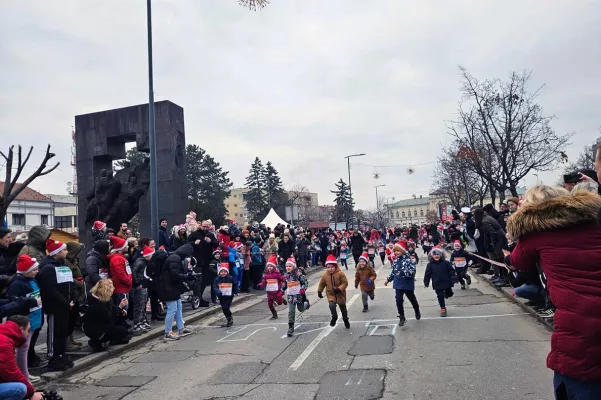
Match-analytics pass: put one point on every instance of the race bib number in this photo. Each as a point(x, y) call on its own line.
point(371, 252)
point(225, 289)
point(104, 273)
point(460, 262)
point(127, 268)
point(63, 275)
point(293, 288)
point(343, 256)
point(35, 295)
point(381, 249)
point(272, 285)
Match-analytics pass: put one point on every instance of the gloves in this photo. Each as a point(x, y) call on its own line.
point(336, 290)
point(320, 295)
point(369, 282)
point(302, 292)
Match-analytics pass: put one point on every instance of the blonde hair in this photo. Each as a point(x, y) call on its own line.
point(103, 289)
point(543, 192)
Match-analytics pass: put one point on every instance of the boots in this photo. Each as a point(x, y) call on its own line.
point(72, 344)
point(274, 314)
point(334, 319)
point(365, 308)
point(418, 314)
point(290, 329)
point(347, 324)
point(230, 322)
point(402, 320)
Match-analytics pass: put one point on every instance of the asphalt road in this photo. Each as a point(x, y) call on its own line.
point(487, 348)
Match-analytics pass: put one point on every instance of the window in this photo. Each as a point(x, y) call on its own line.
point(43, 219)
point(397, 214)
point(63, 222)
point(421, 212)
point(235, 214)
point(75, 222)
point(235, 205)
point(403, 214)
point(415, 213)
point(19, 219)
point(244, 196)
point(235, 196)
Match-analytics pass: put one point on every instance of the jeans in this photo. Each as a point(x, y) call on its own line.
point(174, 310)
point(21, 355)
point(292, 311)
point(364, 296)
point(530, 292)
point(343, 310)
point(399, 300)
point(12, 391)
point(139, 297)
point(567, 388)
point(343, 262)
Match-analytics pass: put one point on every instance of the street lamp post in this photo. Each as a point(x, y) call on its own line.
point(154, 200)
point(378, 203)
point(348, 161)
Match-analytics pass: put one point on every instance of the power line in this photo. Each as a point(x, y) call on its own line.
point(395, 166)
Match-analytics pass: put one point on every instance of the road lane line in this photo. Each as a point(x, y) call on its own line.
point(323, 334)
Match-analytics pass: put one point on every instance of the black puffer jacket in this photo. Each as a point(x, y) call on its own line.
point(95, 261)
point(8, 258)
point(98, 317)
point(55, 296)
point(172, 274)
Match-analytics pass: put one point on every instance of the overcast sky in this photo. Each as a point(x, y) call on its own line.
point(301, 83)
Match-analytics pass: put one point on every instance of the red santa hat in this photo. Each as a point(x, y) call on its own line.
point(272, 260)
point(457, 243)
point(118, 244)
point(216, 251)
point(26, 264)
point(364, 257)
point(400, 245)
point(54, 247)
point(99, 225)
point(291, 261)
point(223, 267)
point(331, 260)
point(147, 251)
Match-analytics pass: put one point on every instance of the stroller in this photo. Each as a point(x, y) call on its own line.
point(189, 289)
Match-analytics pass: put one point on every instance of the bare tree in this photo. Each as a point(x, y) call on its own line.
point(11, 186)
point(253, 5)
point(503, 131)
point(432, 217)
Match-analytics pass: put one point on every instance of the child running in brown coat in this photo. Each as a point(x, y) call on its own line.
point(366, 276)
point(335, 283)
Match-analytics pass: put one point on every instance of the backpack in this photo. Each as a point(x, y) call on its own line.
point(153, 270)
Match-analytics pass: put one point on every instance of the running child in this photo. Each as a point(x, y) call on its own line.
point(335, 283)
point(295, 285)
point(403, 278)
point(366, 277)
point(442, 275)
point(459, 259)
point(343, 255)
point(225, 287)
point(382, 252)
point(371, 252)
point(272, 283)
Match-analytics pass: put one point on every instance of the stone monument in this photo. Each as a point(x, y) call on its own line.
point(116, 197)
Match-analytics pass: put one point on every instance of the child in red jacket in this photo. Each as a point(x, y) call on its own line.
point(272, 283)
point(120, 270)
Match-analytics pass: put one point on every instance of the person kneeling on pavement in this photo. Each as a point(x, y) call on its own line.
point(104, 322)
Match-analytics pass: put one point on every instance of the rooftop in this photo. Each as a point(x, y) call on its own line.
point(27, 193)
point(420, 201)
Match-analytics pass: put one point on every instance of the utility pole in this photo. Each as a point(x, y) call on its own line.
point(154, 198)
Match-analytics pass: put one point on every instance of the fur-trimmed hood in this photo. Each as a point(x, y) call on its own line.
point(578, 208)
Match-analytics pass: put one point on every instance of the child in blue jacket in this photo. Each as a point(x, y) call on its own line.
point(403, 275)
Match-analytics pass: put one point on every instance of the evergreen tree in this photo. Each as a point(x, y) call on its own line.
point(133, 156)
point(343, 204)
point(274, 191)
point(208, 185)
point(256, 204)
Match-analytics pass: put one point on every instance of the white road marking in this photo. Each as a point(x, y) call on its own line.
point(247, 337)
point(307, 352)
point(232, 332)
point(360, 379)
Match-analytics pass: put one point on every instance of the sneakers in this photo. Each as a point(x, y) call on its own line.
point(171, 336)
point(463, 287)
point(59, 364)
point(137, 331)
point(34, 379)
point(372, 295)
point(468, 279)
point(443, 312)
point(333, 320)
point(290, 330)
point(365, 308)
point(546, 313)
point(274, 314)
point(37, 362)
point(145, 326)
point(307, 305)
point(402, 321)
point(230, 322)
point(185, 332)
point(347, 324)
point(418, 315)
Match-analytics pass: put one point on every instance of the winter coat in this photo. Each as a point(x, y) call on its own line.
point(36, 242)
point(20, 306)
point(362, 275)
point(98, 316)
point(19, 287)
point(164, 238)
point(224, 242)
point(357, 244)
point(441, 273)
point(172, 274)
point(302, 247)
point(96, 266)
point(270, 248)
point(203, 252)
point(138, 272)
point(330, 281)
point(178, 241)
point(562, 236)
point(8, 258)
point(120, 272)
point(72, 261)
point(403, 273)
point(295, 276)
point(256, 256)
point(226, 280)
point(459, 256)
point(285, 249)
point(277, 276)
point(494, 236)
point(11, 338)
point(55, 296)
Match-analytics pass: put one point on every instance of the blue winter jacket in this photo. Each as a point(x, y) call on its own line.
point(20, 287)
point(403, 273)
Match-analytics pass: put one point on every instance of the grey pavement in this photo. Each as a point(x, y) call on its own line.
point(487, 348)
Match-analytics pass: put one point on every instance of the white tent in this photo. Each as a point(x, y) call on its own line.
point(272, 219)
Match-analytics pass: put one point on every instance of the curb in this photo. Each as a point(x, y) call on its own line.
point(548, 324)
point(93, 359)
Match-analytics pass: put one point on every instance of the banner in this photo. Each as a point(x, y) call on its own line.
point(498, 263)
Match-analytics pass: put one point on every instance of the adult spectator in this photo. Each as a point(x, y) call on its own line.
point(103, 321)
point(179, 238)
point(9, 251)
point(123, 231)
point(492, 211)
point(285, 249)
point(357, 243)
point(13, 384)
point(204, 243)
point(35, 246)
point(163, 236)
point(494, 242)
point(571, 180)
point(558, 231)
point(96, 266)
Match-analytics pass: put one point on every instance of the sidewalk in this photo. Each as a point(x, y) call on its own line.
point(84, 357)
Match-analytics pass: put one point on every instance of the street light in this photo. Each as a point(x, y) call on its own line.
point(348, 160)
point(154, 200)
point(536, 178)
point(378, 202)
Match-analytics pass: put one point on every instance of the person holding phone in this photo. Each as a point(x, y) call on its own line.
point(583, 175)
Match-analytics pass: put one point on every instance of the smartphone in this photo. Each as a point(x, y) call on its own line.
point(571, 178)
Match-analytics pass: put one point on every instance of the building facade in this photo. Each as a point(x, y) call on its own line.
point(410, 211)
point(65, 212)
point(30, 208)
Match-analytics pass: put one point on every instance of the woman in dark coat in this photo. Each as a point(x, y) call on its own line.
point(558, 231)
point(494, 240)
point(103, 321)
